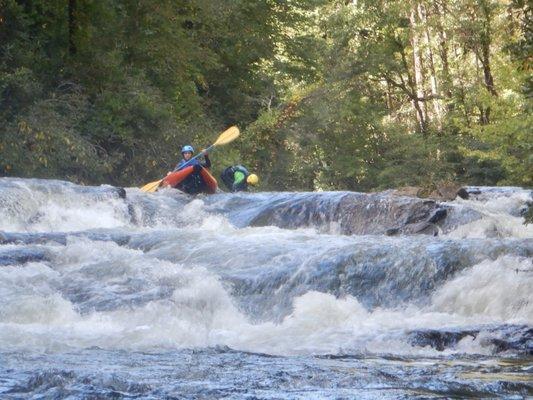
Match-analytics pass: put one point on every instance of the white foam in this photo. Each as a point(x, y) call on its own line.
point(123, 285)
point(498, 217)
point(44, 212)
point(200, 312)
point(500, 290)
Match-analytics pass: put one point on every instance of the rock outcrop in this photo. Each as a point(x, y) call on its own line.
point(353, 213)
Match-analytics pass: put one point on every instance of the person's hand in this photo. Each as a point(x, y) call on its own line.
point(205, 152)
point(168, 173)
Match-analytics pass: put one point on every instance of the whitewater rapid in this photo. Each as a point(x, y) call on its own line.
point(90, 268)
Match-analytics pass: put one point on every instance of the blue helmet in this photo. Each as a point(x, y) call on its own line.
point(187, 148)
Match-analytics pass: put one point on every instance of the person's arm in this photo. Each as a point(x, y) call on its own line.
point(207, 163)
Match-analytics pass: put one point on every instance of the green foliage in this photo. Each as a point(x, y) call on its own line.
point(127, 83)
point(329, 94)
point(45, 141)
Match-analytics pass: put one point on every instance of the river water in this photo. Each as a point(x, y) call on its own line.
point(333, 295)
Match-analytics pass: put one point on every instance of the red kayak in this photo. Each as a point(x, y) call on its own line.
point(175, 178)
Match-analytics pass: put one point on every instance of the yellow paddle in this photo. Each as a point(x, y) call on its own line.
point(229, 135)
point(152, 186)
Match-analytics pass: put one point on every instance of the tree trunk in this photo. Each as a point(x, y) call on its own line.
point(71, 26)
point(487, 74)
point(416, 80)
point(422, 14)
point(486, 41)
point(462, 91)
point(443, 49)
point(389, 96)
point(411, 92)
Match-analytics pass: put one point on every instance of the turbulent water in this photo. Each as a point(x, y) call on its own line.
point(106, 293)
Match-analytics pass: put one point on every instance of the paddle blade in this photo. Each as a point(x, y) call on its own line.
point(229, 135)
point(152, 186)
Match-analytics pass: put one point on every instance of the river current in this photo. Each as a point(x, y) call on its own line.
point(113, 293)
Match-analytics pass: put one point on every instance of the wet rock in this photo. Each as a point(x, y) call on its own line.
point(350, 213)
point(473, 191)
point(32, 238)
point(61, 237)
point(438, 215)
point(517, 340)
point(439, 339)
point(503, 338)
point(425, 228)
point(444, 192)
point(526, 211)
point(22, 256)
point(45, 380)
point(133, 215)
point(121, 192)
point(463, 193)
point(448, 191)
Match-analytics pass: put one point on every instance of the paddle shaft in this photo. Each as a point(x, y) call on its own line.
point(197, 155)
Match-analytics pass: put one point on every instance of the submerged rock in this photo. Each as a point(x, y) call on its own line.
point(62, 237)
point(22, 256)
point(503, 338)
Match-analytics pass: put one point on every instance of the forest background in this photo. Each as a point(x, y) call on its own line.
point(330, 95)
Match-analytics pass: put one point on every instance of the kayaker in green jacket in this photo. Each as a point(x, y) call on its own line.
point(237, 178)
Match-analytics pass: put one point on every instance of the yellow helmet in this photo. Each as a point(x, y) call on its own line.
point(252, 179)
